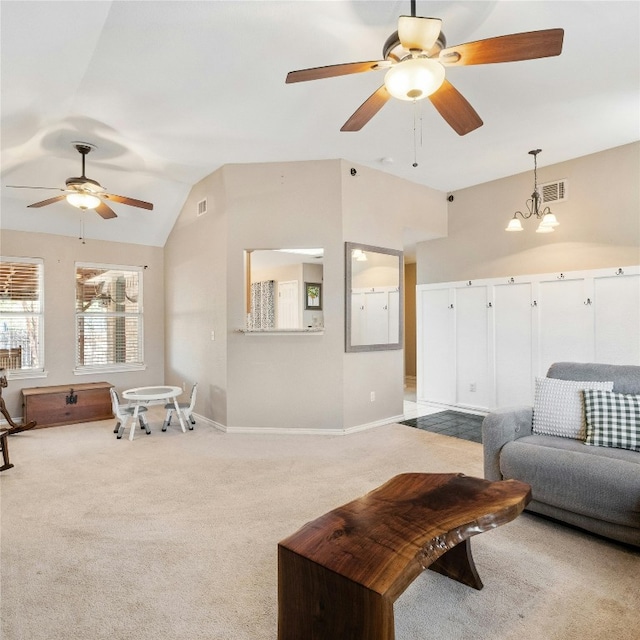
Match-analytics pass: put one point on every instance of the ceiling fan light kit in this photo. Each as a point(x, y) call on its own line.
point(83, 200)
point(548, 221)
point(414, 79)
point(415, 58)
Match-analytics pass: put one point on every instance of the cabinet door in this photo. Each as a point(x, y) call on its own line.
point(566, 323)
point(394, 317)
point(513, 335)
point(474, 383)
point(616, 301)
point(377, 317)
point(436, 355)
point(358, 319)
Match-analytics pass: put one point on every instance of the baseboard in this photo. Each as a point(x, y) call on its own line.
point(461, 408)
point(209, 423)
point(309, 432)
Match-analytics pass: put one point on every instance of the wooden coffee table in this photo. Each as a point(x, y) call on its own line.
point(339, 575)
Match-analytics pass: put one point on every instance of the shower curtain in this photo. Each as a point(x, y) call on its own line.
point(263, 313)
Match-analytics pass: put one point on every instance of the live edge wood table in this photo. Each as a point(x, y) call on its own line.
point(339, 575)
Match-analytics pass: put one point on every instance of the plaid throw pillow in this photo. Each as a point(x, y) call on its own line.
point(613, 419)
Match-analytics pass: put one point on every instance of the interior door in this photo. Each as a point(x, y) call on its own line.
point(288, 316)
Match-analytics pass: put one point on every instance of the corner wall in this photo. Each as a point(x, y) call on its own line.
point(292, 382)
point(379, 210)
point(196, 299)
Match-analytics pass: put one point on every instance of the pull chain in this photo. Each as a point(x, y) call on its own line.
point(415, 133)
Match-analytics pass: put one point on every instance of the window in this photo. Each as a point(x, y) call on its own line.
point(21, 315)
point(108, 317)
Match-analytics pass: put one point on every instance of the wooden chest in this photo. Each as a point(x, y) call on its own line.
point(67, 404)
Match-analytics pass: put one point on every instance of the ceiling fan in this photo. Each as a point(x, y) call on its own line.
point(85, 193)
point(415, 57)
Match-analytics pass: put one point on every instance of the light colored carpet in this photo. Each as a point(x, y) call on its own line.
point(174, 537)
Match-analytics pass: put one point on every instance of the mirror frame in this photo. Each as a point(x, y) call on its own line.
point(349, 247)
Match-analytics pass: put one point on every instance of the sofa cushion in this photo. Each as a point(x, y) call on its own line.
point(613, 419)
point(598, 482)
point(558, 407)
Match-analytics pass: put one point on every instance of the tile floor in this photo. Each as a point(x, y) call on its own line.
point(450, 423)
point(422, 415)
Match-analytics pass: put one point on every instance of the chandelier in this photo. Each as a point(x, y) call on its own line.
point(547, 220)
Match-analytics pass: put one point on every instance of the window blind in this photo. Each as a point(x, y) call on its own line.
point(108, 316)
point(21, 313)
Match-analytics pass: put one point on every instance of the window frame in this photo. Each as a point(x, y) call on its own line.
point(39, 371)
point(83, 369)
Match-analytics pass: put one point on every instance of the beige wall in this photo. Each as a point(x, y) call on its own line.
point(599, 223)
point(284, 382)
point(378, 209)
point(196, 299)
point(60, 253)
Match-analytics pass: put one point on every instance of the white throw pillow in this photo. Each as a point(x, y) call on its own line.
point(558, 407)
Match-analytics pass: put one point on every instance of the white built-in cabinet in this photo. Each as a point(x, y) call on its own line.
point(375, 315)
point(482, 343)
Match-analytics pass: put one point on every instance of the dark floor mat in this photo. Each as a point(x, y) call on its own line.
point(450, 423)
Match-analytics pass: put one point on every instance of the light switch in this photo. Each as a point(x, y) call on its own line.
point(213, 335)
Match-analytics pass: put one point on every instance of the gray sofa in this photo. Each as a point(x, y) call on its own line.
point(592, 487)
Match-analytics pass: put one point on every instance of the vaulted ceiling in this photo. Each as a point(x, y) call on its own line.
point(170, 91)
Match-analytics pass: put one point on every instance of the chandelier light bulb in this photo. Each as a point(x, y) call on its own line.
point(514, 225)
point(549, 220)
point(414, 79)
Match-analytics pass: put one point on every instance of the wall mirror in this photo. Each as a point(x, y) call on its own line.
point(374, 298)
point(283, 289)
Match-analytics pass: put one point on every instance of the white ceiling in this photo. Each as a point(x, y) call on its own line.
point(170, 91)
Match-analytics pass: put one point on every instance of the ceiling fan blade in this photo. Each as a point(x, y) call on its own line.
point(44, 203)
point(132, 202)
point(510, 48)
point(105, 211)
point(20, 186)
point(367, 110)
point(455, 109)
point(331, 71)
point(415, 32)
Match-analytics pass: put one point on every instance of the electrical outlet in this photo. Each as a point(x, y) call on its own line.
point(472, 387)
point(213, 335)
point(373, 396)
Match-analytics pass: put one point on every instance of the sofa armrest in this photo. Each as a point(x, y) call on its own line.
point(498, 428)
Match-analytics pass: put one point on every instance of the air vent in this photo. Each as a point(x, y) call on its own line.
point(554, 191)
point(202, 207)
